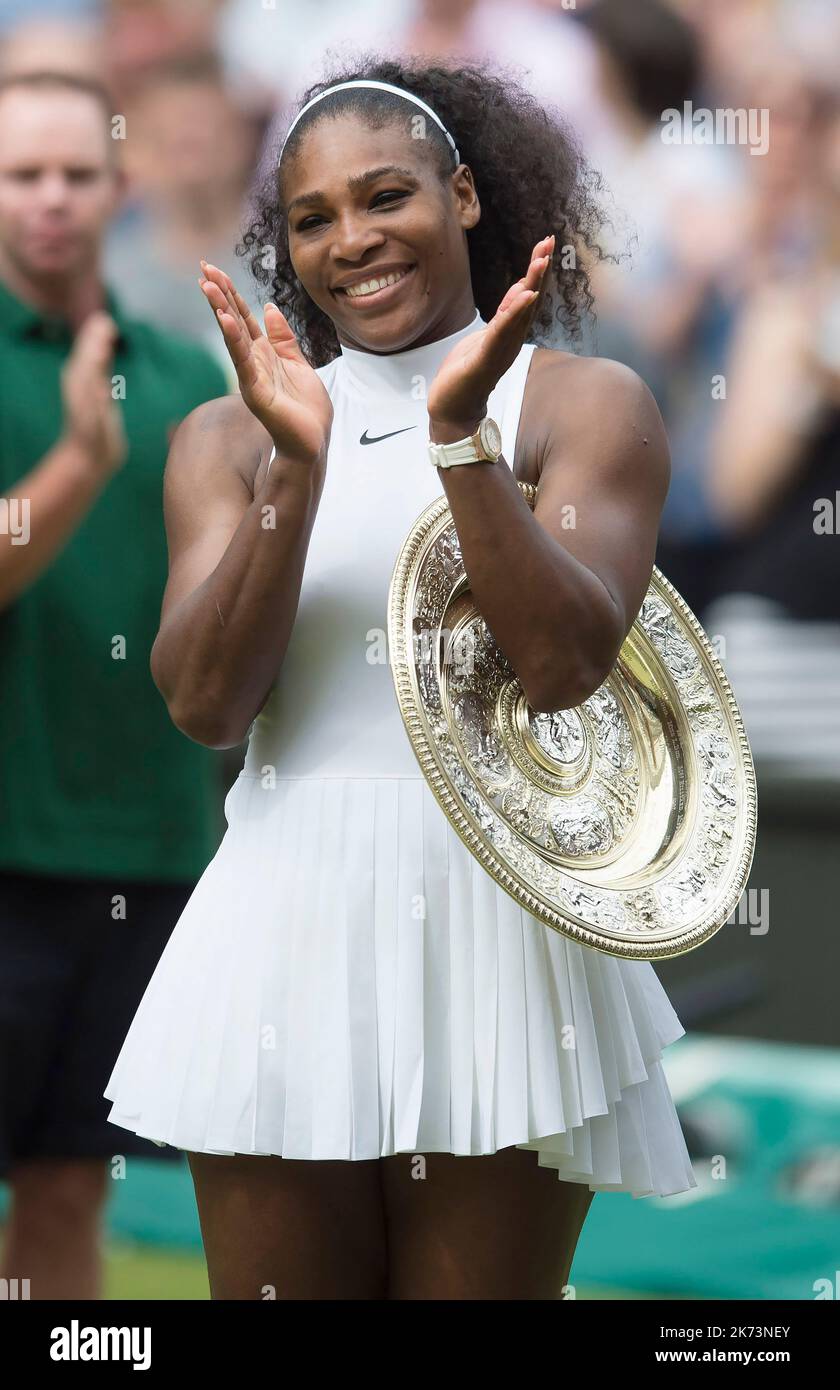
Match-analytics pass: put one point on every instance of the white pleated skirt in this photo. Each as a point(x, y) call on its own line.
point(347, 982)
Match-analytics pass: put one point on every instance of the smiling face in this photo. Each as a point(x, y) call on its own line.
point(368, 206)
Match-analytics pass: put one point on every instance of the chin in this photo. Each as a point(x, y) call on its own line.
point(390, 332)
point(54, 267)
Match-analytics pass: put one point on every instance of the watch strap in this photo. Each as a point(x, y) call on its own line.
point(467, 450)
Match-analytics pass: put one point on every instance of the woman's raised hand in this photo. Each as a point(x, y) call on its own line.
point(277, 383)
point(470, 371)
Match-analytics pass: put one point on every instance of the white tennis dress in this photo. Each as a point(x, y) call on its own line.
point(346, 980)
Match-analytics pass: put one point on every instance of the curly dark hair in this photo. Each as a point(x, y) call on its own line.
point(530, 174)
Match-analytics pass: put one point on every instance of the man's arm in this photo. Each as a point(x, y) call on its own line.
point(55, 496)
point(51, 501)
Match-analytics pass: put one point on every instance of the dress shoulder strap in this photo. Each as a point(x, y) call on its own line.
point(509, 423)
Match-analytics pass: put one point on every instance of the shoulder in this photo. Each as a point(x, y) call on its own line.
point(223, 432)
point(574, 403)
point(595, 381)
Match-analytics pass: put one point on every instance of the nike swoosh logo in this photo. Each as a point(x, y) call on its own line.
point(363, 439)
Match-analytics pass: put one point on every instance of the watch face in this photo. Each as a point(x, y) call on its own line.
point(491, 437)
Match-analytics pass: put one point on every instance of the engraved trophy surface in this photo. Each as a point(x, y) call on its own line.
point(628, 823)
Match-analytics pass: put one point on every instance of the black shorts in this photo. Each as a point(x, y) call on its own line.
point(71, 978)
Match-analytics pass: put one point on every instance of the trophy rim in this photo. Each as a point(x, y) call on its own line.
point(654, 945)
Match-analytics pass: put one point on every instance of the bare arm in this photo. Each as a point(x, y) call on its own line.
point(236, 565)
point(236, 555)
point(560, 587)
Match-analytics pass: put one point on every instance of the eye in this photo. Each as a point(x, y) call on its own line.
point(309, 222)
point(391, 193)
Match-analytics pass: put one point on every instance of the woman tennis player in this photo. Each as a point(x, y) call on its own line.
point(391, 1081)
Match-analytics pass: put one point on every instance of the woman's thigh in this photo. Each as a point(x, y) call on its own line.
point(480, 1227)
point(290, 1228)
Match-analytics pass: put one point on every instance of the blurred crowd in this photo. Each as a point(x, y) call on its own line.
point(724, 290)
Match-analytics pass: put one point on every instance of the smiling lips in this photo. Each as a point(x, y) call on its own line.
point(376, 287)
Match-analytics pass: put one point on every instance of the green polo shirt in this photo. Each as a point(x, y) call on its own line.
point(95, 780)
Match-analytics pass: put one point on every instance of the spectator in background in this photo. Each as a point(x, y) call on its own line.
point(143, 35)
point(50, 40)
point(556, 56)
point(775, 475)
point(190, 150)
point(667, 311)
point(281, 48)
point(109, 814)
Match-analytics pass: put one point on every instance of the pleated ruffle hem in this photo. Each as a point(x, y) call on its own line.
point(329, 992)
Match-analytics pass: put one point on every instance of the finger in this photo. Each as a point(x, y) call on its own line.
point(532, 280)
point(511, 296)
point(249, 318)
point(211, 275)
point(238, 344)
point(225, 285)
point(231, 293)
point(536, 272)
point(230, 322)
point(94, 343)
point(540, 261)
point(280, 334)
point(239, 306)
point(507, 330)
point(97, 328)
point(545, 247)
point(517, 297)
point(215, 296)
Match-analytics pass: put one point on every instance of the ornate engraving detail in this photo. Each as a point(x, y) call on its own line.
point(560, 735)
point(627, 823)
point(585, 829)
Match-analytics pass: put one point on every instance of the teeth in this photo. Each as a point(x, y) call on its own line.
point(371, 286)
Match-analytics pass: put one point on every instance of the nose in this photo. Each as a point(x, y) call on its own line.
point(352, 236)
point(53, 188)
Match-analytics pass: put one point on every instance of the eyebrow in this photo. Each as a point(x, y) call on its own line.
point(355, 182)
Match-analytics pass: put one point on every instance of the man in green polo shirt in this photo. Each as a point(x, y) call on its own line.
point(108, 814)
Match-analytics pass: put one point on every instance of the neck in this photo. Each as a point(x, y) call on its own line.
point(380, 374)
point(457, 318)
point(71, 298)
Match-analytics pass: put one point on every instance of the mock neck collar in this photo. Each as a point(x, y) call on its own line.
point(377, 374)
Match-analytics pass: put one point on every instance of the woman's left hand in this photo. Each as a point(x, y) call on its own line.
point(457, 399)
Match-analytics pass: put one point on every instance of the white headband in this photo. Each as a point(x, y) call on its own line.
point(383, 86)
